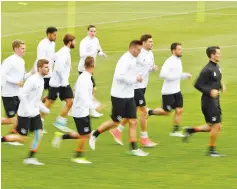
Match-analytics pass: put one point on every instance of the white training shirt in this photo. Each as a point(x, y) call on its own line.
point(172, 72)
point(45, 50)
point(124, 77)
point(30, 97)
point(145, 63)
point(82, 101)
point(62, 67)
point(12, 72)
point(88, 47)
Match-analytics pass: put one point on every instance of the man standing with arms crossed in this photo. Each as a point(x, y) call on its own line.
point(122, 97)
point(209, 84)
point(145, 65)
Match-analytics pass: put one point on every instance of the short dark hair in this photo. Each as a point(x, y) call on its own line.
point(90, 26)
point(174, 45)
point(135, 43)
point(89, 62)
point(211, 50)
point(42, 62)
point(67, 38)
point(145, 37)
point(51, 30)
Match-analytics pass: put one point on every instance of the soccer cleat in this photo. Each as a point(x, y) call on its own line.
point(146, 142)
point(44, 131)
point(57, 139)
point(32, 161)
point(117, 136)
point(215, 154)
point(62, 127)
point(139, 152)
point(15, 143)
point(177, 134)
point(81, 160)
point(92, 141)
point(95, 114)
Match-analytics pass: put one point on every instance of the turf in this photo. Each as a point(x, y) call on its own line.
point(172, 164)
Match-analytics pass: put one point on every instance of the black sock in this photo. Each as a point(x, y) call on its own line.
point(175, 128)
point(3, 139)
point(79, 154)
point(133, 145)
point(150, 112)
point(212, 148)
point(96, 133)
point(190, 130)
point(67, 136)
point(31, 155)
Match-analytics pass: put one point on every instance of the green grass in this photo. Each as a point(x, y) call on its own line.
point(173, 164)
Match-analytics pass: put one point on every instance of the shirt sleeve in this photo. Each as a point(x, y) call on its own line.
point(5, 70)
point(201, 82)
point(121, 72)
point(167, 72)
point(99, 46)
point(59, 67)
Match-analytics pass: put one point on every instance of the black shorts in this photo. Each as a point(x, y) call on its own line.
point(62, 92)
point(92, 79)
point(11, 105)
point(172, 101)
point(139, 97)
point(46, 83)
point(211, 110)
point(123, 108)
point(25, 124)
point(83, 125)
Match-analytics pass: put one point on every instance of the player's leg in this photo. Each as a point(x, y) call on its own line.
point(131, 114)
point(46, 87)
point(66, 95)
point(167, 103)
point(36, 126)
point(178, 105)
point(118, 107)
point(84, 130)
point(22, 131)
point(96, 103)
point(117, 132)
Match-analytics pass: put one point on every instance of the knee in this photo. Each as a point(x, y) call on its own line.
point(179, 111)
point(132, 122)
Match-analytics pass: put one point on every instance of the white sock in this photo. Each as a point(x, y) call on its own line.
point(144, 134)
point(61, 119)
point(120, 128)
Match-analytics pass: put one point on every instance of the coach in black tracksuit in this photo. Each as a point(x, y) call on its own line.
point(209, 83)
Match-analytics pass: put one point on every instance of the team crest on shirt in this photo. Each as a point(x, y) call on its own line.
point(141, 101)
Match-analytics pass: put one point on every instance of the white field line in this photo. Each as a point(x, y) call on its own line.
point(116, 21)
